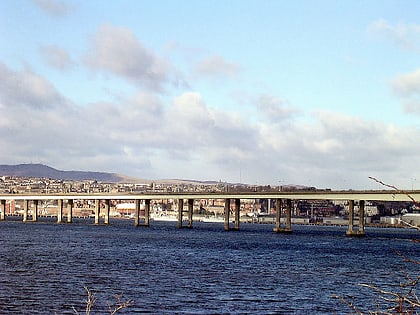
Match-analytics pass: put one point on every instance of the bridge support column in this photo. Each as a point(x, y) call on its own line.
point(237, 214)
point(59, 211)
point(180, 212)
point(35, 211)
point(277, 228)
point(288, 215)
point(227, 212)
point(190, 212)
point(137, 212)
point(70, 203)
point(107, 207)
point(288, 223)
point(351, 218)
point(2, 210)
point(25, 210)
point(97, 210)
point(361, 230)
point(147, 212)
point(361, 217)
point(146, 222)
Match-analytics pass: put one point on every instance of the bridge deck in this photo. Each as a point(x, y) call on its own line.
point(385, 195)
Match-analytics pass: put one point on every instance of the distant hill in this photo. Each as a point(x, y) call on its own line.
point(44, 171)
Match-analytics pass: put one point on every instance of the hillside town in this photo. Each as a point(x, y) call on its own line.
point(260, 210)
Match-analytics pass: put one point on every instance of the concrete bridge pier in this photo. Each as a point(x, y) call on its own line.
point(237, 214)
point(147, 212)
point(180, 212)
point(362, 217)
point(107, 207)
point(146, 222)
point(288, 224)
point(227, 212)
point(190, 212)
point(97, 210)
point(278, 215)
point(137, 212)
point(35, 211)
point(288, 228)
point(2, 210)
point(59, 211)
point(25, 210)
point(70, 204)
point(361, 226)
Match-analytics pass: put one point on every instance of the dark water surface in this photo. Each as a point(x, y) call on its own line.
point(205, 270)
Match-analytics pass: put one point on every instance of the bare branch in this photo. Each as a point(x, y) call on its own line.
point(119, 305)
point(90, 301)
point(408, 224)
point(379, 289)
point(396, 189)
point(113, 309)
point(350, 304)
point(407, 259)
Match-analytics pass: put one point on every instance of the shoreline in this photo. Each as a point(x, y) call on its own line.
point(219, 219)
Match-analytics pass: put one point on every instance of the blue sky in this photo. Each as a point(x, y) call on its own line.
point(320, 93)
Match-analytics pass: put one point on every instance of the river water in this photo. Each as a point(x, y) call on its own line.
point(44, 268)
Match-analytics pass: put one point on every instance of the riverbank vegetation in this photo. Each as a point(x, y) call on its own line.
point(402, 300)
point(113, 308)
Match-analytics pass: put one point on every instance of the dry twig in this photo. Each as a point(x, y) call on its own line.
point(113, 309)
point(90, 301)
point(119, 305)
point(396, 189)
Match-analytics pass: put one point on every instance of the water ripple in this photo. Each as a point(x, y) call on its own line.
point(44, 268)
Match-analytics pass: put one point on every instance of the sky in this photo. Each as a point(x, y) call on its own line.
point(318, 93)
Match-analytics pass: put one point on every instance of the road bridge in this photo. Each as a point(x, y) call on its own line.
point(282, 198)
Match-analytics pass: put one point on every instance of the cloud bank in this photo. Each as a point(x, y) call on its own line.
point(117, 51)
point(142, 135)
point(163, 130)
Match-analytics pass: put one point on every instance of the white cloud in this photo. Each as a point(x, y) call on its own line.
point(148, 136)
point(191, 125)
point(274, 109)
point(56, 57)
point(54, 7)
point(190, 108)
point(337, 147)
point(217, 67)
point(26, 88)
point(116, 50)
point(406, 36)
point(412, 106)
point(407, 86)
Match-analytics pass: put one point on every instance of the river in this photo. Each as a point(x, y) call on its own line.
point(44, 267)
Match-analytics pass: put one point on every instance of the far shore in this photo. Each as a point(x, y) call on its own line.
point(326, 221)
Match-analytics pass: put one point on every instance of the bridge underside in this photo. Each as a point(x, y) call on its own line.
point(282, 205)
